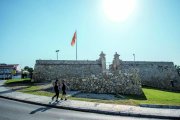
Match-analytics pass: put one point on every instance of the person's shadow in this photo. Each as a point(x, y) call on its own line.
point(43, 109)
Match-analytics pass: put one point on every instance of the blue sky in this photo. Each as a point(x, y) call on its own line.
point(34, 29)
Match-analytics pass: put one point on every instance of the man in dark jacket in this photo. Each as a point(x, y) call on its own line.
point(56, 89)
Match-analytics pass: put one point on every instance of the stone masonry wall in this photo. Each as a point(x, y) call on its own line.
point(114, 83)
point(88, 76)
point(154, 74)
point(47, 70)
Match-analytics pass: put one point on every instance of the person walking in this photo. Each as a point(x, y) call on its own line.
point(56, 89)
point(63, 87)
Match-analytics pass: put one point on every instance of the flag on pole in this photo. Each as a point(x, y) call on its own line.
point(73, 39)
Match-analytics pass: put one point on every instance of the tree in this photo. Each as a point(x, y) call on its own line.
point(29, 69)
point(30, 72)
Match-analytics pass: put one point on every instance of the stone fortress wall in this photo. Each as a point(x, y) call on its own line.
point(88, 76)
point(47, 70)
point(122, 77)
point(161, 75)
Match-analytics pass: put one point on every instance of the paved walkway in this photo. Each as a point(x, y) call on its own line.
point(113, 109)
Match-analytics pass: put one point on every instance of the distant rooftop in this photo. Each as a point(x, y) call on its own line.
point(3, 65)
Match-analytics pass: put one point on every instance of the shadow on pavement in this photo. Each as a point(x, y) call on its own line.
point(43, 109)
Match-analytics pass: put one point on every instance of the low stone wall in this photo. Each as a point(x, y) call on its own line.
point(114, 83)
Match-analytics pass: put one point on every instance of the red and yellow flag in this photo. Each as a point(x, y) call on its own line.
point(73, 39)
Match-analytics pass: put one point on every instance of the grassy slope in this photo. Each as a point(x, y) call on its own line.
point(17, 81)
point(153, 96)
point(31, 89)
point(161, 97)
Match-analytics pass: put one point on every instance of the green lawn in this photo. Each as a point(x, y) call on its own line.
point(31, 88)
point(155, 96)
point(17, 81)
point(152, 96)
point(36, 90)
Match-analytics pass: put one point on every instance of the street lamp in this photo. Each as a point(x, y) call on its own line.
point(134, 56)
point(57, 51)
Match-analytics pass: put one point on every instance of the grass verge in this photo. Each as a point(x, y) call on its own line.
point(153, 96)
point(17, 81)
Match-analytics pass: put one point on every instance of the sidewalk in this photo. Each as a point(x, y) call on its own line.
point(112, 109)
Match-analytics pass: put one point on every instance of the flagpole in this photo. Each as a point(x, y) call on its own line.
point(76, 45)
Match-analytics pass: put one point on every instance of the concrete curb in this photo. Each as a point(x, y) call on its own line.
point(160, 106)
point(94, 111)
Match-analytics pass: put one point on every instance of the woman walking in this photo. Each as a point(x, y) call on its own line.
point(56, 89)
point(63, 86)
